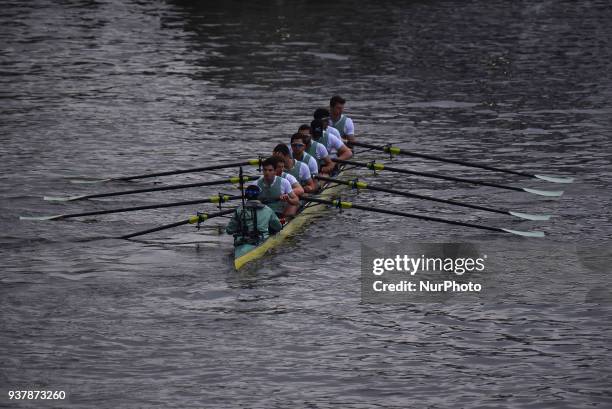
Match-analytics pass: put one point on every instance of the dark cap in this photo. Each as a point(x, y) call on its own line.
point(252, 192)
point(316, 128)
point(321, 113)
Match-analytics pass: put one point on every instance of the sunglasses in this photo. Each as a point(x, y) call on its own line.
point(297, 145)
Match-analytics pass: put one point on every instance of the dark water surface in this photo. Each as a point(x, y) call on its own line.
point(99, 88)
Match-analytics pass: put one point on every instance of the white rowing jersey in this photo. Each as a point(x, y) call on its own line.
point(333, 141)
point(285, 184)
point(291, 178)
point(344, 124)
point(300, 172)
point(331, 130)
point(319, 151)
point(312, 165)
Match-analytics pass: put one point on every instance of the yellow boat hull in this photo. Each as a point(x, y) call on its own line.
point(290, 229)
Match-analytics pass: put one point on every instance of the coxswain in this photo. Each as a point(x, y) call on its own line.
point(276, 192)
point(253, 222)
point(333, 143)
point(317, 150)
point(298, 148)
point(339, 120)
point(296, 172)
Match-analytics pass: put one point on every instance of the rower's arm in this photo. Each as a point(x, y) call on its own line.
point(344, 153)
point(292, 199)
point(310, 186)
point(328, 165)
point(298, 189)
point(349, 128)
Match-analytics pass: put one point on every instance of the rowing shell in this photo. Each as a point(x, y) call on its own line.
point(246, 253)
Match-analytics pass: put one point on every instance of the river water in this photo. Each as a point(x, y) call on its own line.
point(108, 88)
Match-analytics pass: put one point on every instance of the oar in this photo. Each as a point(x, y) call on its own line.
point(350, 205)
point(397, 151)
point(211, 199)
point(379, 166)
point(199, 218)
point(235, 179)
point(252, 162)
point(355, 184)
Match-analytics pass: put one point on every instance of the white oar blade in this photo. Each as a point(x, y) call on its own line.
point(548, 193)
point(41, 218)
point(89, 181)
point(528, 216)
point(525, 233)
point(555, 179)
point(62, 199)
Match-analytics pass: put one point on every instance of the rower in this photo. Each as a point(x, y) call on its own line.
point(323, 115)
point(276, 192)
point(317, 150)
point(294, 170)
point(329, 140)
point(339, 120)
point(253, 222)
point(295, 185)
point(298, 150)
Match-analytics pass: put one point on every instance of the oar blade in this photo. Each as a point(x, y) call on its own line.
point(525, 233)
point(554, 179)
point(527, 216)
point(41, 218)
point(62, 199)
point(547, 193)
